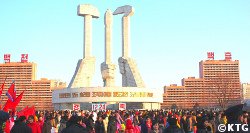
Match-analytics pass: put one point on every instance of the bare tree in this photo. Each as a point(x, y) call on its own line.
point(224, 90)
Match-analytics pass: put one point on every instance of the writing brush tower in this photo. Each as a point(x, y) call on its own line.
point(107, 68)
point(127, 65)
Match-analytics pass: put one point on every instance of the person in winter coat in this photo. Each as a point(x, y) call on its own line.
point(129, 125)
point(235, 115)
point(144, 128)
point(33, 125)
point(190, 125)
point(40, 122)
point(205, 126)
point(184, 124)
point(173, 128)
point(47, 126)
point(90, 124)
point(155, 127)
point(99, 125)
point(63, 121)
point(75, 125)
point(112, 124)
point(105, 122)
point(149, 124)
point(20, 126)
point(118, 120)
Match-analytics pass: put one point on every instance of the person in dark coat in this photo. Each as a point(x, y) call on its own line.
point(205, 126)
point(4, 116)
point(63, 122)
point(74, 125)
point(144, 128)
point(99, 125)
point(183, 123)
point(235, 116)
point(112, 123)
point(20, 126)
point(155, 127)
point(173, 128)
point(47, 126)
point(90, 124)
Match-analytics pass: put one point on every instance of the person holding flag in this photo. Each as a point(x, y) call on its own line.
point(2, 87)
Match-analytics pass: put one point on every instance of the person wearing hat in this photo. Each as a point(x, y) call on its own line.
point(20, 126)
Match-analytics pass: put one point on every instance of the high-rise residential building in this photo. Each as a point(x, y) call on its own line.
point(174, 94)
point(246, 91)
point(37, 92)
point(218, 86)
point(222, 81)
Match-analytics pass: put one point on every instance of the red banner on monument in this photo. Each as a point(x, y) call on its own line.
point(76, 107)
point(98, 106)
point(122, 106)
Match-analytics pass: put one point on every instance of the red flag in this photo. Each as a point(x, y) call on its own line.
point(12, 105)
point(17, 100)
point(31, 111)
point(20, 113)
point(1, 89)
point(11, 93)
point(7, 105)
point(27, 111)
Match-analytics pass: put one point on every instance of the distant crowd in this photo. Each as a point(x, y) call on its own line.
point(126, 121)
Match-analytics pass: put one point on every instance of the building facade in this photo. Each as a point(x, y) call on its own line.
point(221, 81)
point(218, 86)
point(174, 94)
point(38, 92)
point(246, 91)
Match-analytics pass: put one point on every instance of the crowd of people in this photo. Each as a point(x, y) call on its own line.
point(126, 121)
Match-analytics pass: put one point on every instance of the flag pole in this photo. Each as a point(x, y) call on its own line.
point(2, 87)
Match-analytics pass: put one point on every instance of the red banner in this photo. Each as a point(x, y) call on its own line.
point(7, 58)
point(122, 106)
point(228, 56)
point(76, 107)
point(24, 58)
point(210, 55)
